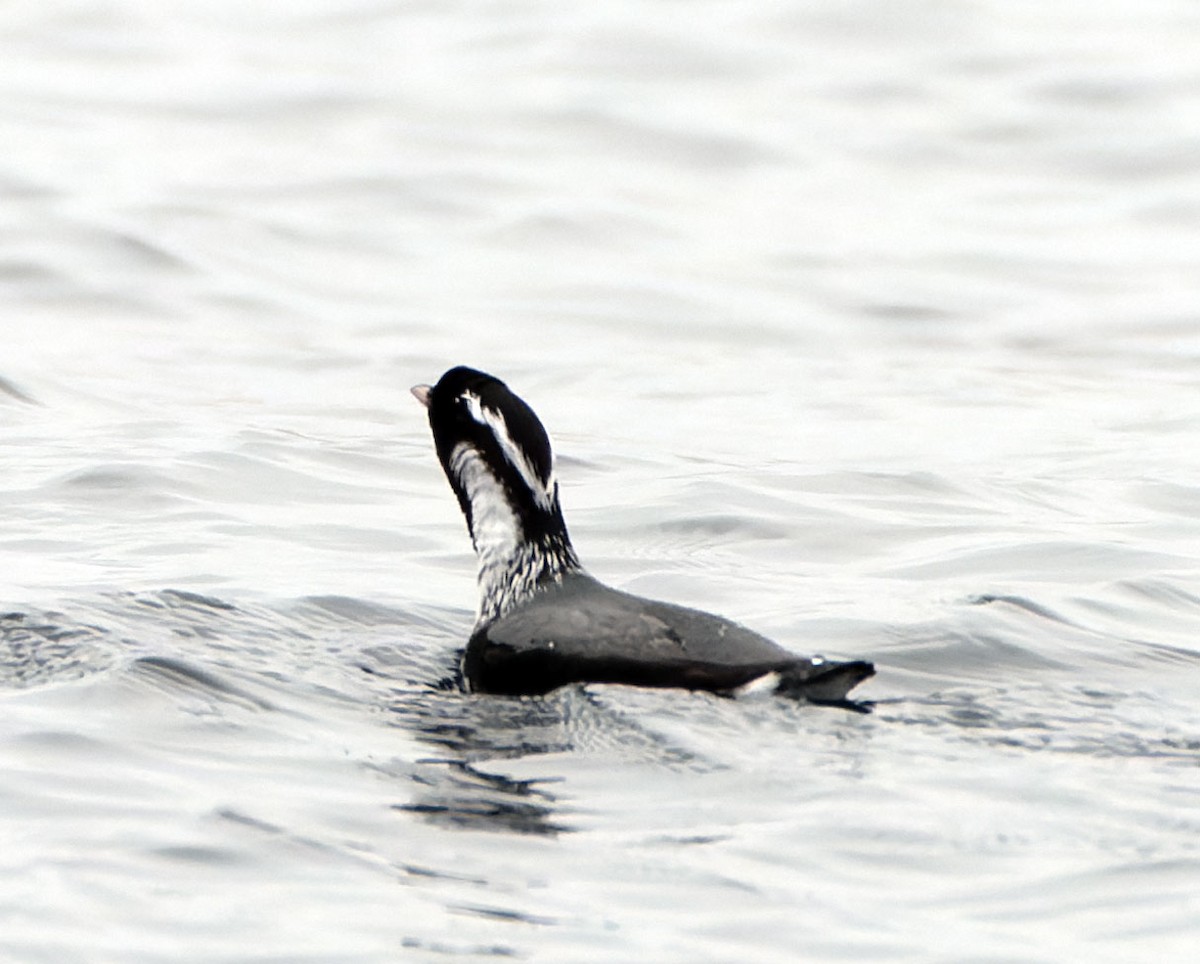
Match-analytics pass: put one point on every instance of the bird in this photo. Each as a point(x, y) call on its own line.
point(543, 621)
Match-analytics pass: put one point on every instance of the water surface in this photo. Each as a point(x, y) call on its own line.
point(871, 326)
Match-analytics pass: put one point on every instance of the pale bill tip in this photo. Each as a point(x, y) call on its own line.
point(421, 393)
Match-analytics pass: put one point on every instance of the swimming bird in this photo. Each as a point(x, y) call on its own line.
point(544, 622)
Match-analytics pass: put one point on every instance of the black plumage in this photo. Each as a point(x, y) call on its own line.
point(543, 621)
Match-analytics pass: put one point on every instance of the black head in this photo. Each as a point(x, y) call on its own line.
point(494, 449)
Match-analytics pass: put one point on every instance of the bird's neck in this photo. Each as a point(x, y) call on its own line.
point(520, 547)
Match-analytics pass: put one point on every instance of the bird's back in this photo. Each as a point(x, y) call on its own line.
point(581, 630)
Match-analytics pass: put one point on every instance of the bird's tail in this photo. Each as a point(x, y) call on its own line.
point(818, 681)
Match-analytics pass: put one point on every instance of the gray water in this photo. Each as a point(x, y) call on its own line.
point(875, 326)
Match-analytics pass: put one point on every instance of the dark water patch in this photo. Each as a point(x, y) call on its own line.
point(503, 914)
point(908, 313)
point(245, 820)
point(210, 857)
point(140, 253)
point(41, 648)
point(458, 795)
point(1020, 602)
point(423, 872)
point(327, 851)
point(176, 674)
point(16, 188)
point(9, 388)
point(1166, 653)
point(62, 740)
point(30, 273)
point(723, 526)
point(182, 598)
point(460, 951)
point(1161, 591)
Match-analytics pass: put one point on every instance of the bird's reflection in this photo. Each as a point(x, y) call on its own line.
point(457, 794)
point(454, 787)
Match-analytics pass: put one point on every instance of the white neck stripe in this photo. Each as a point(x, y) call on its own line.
point(510, 567)
point(542, 492)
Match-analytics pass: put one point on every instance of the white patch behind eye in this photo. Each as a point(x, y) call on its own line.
point(543, 493)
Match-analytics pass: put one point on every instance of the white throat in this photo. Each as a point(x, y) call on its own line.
point(511, 568)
